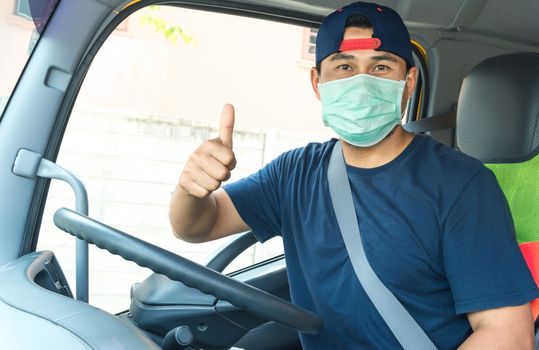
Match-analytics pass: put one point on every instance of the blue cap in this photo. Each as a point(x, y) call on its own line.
point(389, 32)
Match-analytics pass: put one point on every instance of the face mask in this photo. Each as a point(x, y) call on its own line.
point(362, 109)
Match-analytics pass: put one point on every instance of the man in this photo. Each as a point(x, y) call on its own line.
point(434, 223)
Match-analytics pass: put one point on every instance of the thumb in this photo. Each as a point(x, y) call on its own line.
point(226, 126)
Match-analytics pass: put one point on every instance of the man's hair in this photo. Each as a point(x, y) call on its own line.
point(358, 21)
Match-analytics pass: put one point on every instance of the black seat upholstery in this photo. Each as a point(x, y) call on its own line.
point(498, 109)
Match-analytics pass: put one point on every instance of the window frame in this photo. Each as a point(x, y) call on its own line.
point(419, 100)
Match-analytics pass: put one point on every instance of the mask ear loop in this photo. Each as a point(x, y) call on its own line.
point(405, 110)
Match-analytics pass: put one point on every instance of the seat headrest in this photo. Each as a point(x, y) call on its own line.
point(498, 109)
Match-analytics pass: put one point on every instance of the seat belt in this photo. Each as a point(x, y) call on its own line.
point(398, 319)
point(447, 120)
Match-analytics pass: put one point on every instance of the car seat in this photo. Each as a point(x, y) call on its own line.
point(498, 123)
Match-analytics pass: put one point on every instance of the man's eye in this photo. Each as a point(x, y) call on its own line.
point(381, 68)
point(344, 67)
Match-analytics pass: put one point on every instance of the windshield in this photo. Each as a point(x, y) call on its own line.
point(21, 24)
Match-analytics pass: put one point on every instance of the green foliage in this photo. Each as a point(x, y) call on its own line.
point(170, 32)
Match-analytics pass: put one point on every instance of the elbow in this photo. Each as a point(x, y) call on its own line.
point(189, 237)
point(191, 223)
point(185, 233)
point(179, 235)
point(182, 234)
point(177, 229)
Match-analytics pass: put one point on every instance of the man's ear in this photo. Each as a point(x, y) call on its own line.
point(411, 78)
point(409, 88)
point(315, 79)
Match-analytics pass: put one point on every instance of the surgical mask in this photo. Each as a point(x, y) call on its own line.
point(362, 109)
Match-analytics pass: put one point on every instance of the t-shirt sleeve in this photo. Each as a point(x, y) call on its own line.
point(257, 199)
point(483, 262)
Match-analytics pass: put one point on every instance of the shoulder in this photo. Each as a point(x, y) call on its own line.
point(446, 154)
point(459, 183)
point(447, 164)
point(311, 156)
point(311, 150)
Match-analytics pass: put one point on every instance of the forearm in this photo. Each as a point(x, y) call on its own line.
point(192, 218)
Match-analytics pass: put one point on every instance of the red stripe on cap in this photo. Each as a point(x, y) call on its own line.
point(360, 44)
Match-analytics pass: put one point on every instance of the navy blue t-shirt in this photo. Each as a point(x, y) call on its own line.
point(435, 226)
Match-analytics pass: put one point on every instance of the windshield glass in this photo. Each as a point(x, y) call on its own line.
point(21, 24)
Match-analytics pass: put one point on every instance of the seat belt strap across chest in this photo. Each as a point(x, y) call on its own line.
point(398, 319)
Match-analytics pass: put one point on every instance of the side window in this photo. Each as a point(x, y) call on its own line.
point(153, 93)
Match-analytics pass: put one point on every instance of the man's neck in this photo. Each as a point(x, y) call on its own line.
point(381, 153)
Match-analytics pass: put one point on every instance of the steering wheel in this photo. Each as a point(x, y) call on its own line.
point(175, 267)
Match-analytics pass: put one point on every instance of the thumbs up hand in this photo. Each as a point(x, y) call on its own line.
point(212, 162)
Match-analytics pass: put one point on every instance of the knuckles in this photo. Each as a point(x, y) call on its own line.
point(214, 186)
point(230, 161)
point(199, 164)
point(201, 193)
point(224, 175)
point(214, 149)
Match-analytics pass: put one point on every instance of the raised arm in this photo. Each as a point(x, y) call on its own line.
point(199, 210)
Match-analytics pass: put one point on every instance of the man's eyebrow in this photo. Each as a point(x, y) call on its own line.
point(341, 56)
point(338, 56)
point(385, 57)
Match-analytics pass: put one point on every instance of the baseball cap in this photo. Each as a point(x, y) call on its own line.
point(389, 32)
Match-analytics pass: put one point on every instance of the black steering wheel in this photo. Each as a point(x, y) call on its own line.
point(177, 268)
